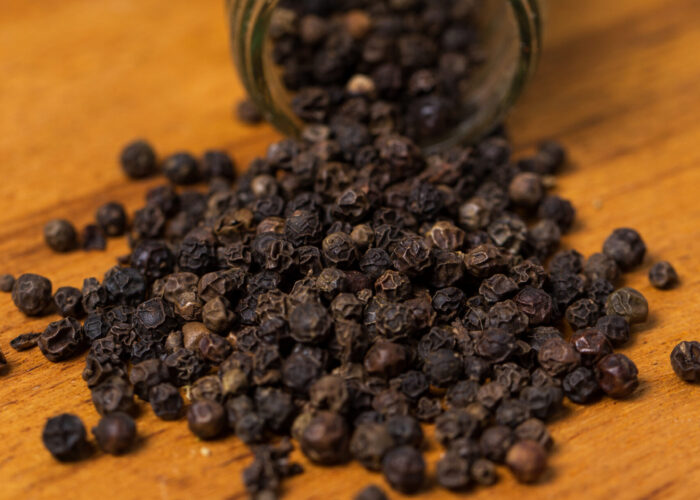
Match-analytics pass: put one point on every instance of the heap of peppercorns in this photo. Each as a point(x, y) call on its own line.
point(343, 297)
point(348, 287)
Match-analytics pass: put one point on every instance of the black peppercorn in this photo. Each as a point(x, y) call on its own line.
point(325, 439)
point(663, 276)
point(7, 281)
point(181, 169)
point(527, 461)
point(206, 419)
point(115, 433)
point(65, 437)
point(617, 375)
point(60, 235)
point(111, 219)
point(685, 361)
point(138, 159)
point(31, 294)
point(69, 302)
point(404, 469)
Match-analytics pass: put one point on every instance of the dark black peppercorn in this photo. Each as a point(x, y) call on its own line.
point(181, 169)
point(31, 294)
point(404, 469)
point(138, 159)
point(626, 247)
point(371, 492)
point(7, 281)
point(69, 302)
point(663, 276)
point(452, 472)
point(62, 339)
point(60, 235)
point(166, 401)
point(369, 443)
point(617, 375)
point(115, 433)
point(111, 219)
point(325, 439)
point(113, 395)
point(206, 419)
point(581, 386)
point(65, 437)
point(685, 361)
point(248, 112)
point(615, 328)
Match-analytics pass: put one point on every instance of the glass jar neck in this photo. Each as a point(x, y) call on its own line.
point(513, 31)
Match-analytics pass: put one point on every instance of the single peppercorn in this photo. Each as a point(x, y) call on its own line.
point(615, 328)
point(248, 112)
point(138, 160)
point(663, 276)
point(65, 437)
point(7, 281)
point(31, 294)
point(325, 439)
point(181, 169)
point(685, 361)
point(626, 247)
point(69, 302)
point(60, 235)
point(115, 433)
point(527, 461)
point(628, 303)
point(617, 375)
point(111, 219)
point(206, 419)
point(404, 469)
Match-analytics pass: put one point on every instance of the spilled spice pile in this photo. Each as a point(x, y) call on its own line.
point(349, 287)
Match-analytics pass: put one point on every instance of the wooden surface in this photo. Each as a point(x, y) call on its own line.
point(619, 85)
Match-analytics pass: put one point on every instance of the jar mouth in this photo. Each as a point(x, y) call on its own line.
point(496, 87)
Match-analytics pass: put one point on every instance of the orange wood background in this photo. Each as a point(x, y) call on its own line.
point(619, 84)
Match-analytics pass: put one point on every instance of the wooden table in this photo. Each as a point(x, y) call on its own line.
point(619, 85)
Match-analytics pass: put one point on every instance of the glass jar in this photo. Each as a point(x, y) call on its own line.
point(510, 34)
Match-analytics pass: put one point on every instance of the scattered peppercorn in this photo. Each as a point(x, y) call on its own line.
point(527, 461)
point(60, 235)
point(617, 375)
point(663, 276)
point(138, 159)
point(7, 281)
point(65, 437)
point(115, 433)
point(685, 361)
point(248, 112)
point(371, 492)
point(25, 341)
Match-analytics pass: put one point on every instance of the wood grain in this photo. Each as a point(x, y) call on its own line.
point(618, 85)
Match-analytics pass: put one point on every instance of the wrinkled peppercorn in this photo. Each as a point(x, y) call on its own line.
point(617, 375)
point(65, 437)
point(31, 294)
point(663, 276)
point(628, 303)
point(685, 361)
